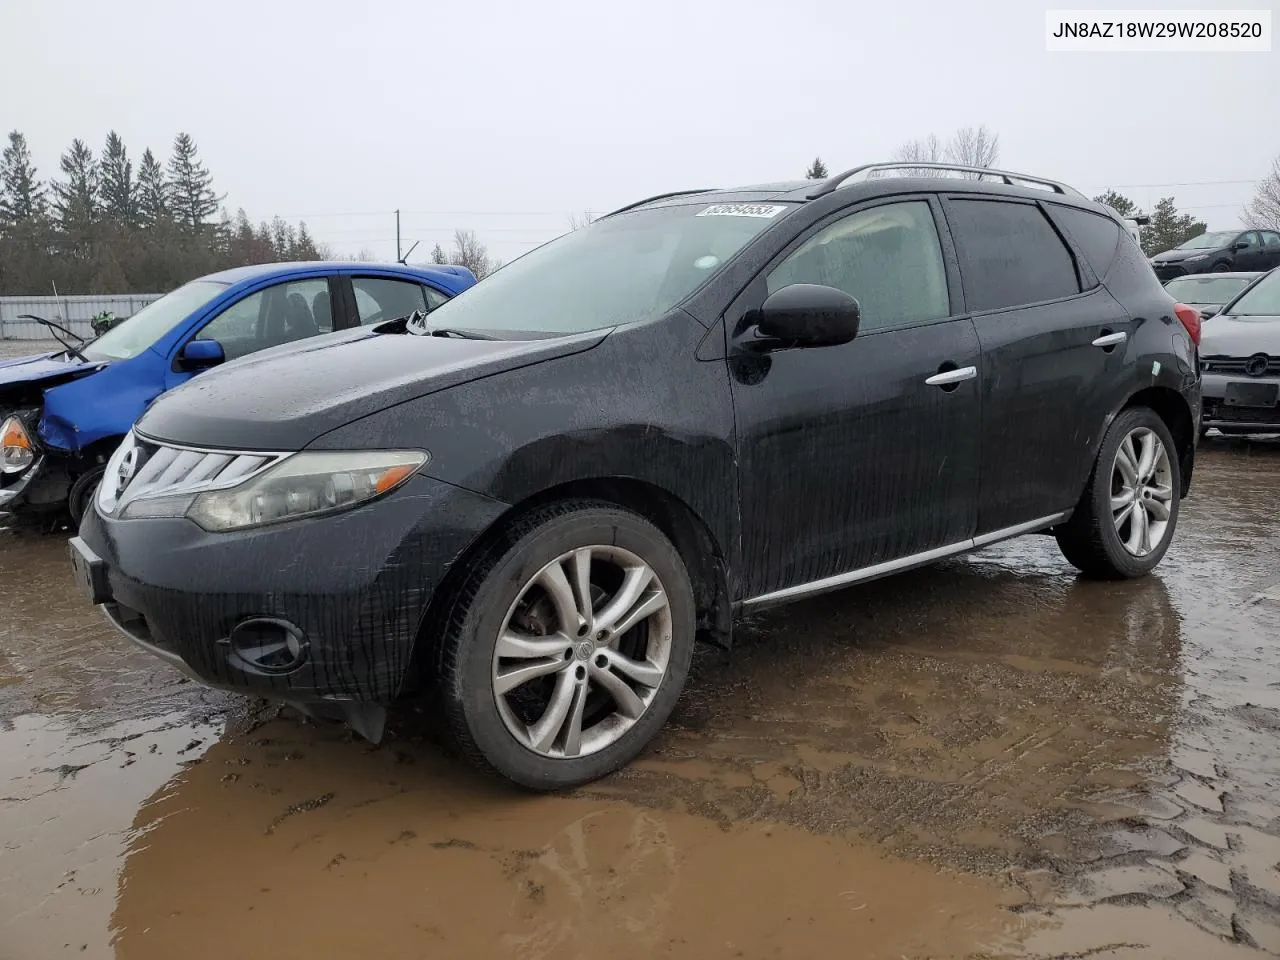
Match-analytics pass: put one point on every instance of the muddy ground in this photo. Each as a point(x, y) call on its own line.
point(988, 758)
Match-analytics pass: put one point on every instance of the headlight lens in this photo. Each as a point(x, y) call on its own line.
point(303, 485)
point(1198, 256)
point(17, 452)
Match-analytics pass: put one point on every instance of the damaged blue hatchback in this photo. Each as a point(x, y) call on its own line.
point(63, 414)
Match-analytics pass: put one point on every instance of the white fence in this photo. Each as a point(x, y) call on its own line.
point(74, 313)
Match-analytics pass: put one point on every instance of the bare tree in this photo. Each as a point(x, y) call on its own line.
point(579, 220)
point(1264, 209)
point(926, 150)
point(469, 252)
point(974, 147)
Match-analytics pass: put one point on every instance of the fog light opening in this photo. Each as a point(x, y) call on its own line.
point(272, 646)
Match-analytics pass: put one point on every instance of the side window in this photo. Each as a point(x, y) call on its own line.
point(1250, 239)
point(1009, 254)
point(1271, 240)
point(270, 317)
point(1096, 236)
point(434, 297)
point(379, 299)
point(887, 257)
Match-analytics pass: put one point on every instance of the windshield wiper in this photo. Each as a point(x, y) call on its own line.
point(54, 326)
point(416, 325)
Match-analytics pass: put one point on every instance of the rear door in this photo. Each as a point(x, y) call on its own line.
point(1271, 248)
point(376, 298)
point(1054, 350)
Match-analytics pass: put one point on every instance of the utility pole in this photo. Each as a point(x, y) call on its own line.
point(397, 236)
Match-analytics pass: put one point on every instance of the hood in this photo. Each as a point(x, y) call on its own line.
point(1174, 256)
point(1228, 336)
point(44, 370)
point(284, 399)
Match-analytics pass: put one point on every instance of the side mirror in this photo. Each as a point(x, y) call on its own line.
point(804, 315)
point(1240, 245)
point(199, 354)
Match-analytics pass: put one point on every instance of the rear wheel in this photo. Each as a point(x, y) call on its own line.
point(1127, 516)
point(566, 647)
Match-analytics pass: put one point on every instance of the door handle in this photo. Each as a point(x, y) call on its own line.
point(1111, 339)
point(949, 377)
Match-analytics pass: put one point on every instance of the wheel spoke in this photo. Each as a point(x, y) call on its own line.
point(512, 644)
point(1123, 515)
point(553, 580)
point(1137, 542)
point(1158, 509)
point(1127, 463)
point(1121, 500)
point(1147, 460)
point(1160, 491)
point(629, 705)
point(543, 733)
point(633, 584)
point(508, 680)
point(641, 671)
point(582, 584)
point(573, 724)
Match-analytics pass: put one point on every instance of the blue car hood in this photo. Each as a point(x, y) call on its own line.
point(44, 370)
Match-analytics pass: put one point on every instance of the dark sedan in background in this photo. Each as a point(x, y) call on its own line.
point(1209, 292)
point(1240, 362)
point(1219, 252)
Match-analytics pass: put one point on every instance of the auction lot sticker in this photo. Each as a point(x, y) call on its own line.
point(764, 210)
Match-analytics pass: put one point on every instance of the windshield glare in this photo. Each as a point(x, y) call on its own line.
point(1207, 241)
point(144, 328)
point(1262, 300)
point(620, 269)
point(1206, 290)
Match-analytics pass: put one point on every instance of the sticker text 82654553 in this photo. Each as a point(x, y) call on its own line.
point(765, 210)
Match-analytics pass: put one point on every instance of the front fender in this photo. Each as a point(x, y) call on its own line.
point(86, 411)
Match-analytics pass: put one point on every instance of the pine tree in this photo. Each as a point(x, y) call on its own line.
point(1118, 202)
point(305, 248)
point(818, 170)
point(283, 238)
point(119, 188)
point(22, 195)
point(438, 255)
point(194, 201)
point(76, 198)
point(154, 207)
point(1168, 228)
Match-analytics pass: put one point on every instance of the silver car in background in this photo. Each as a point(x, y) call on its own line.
point(1240, 361)
point(1210, 292)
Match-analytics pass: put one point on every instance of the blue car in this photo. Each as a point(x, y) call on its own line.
point(63, 414)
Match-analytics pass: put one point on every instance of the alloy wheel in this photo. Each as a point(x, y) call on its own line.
point(1141, 491)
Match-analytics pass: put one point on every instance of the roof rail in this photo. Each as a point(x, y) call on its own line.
point(660, 196)
point(831, 183)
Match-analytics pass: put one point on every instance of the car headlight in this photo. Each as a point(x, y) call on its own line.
point(17, 451)
point(302, 485)
point(1198, 256)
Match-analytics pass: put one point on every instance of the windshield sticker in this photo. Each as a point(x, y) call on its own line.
point(765, 210)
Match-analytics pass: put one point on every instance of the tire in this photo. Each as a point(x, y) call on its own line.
point(1092, 539)
point(1221, 267)
point(508, 726)
point(80, 497)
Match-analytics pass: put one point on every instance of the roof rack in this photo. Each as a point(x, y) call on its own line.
point(660, 196)
point(831, 183)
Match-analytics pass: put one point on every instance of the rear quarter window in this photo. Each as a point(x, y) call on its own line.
point(1096, 236)
point(1010, 254)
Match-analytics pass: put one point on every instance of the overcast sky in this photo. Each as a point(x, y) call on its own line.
point(506, 117)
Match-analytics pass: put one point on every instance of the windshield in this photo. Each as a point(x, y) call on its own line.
point(1206, 289)
point(1262, 300)
point(152, 322)
point(1207, 241)
point(619, 269)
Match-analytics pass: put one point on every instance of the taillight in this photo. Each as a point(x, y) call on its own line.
point(1190, 318)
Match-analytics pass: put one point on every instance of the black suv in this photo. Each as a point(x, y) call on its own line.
point(1222, 251)
point(530, 503)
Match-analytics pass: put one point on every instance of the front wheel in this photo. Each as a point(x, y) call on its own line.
point(1129, 511)
point(80, 497)
point(566, 647)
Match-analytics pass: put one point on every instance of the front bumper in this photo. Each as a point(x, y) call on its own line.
point(1215, 411)
point(1178, 268)
point(30, 492)
point(354, 586)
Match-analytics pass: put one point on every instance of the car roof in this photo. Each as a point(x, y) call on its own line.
point(803, 191)
point(446, 273)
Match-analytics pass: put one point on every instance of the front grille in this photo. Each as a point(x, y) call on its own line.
point(142, 468)
point(1222, 413)
point(1240, 365)
point(1169, 271)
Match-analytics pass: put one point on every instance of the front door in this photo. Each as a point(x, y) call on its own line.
point(849, 456)
point(1251, 256)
